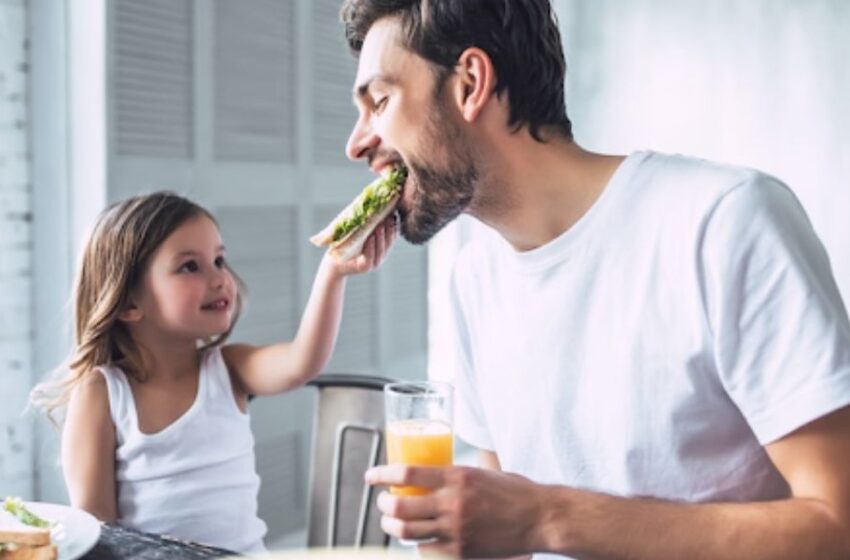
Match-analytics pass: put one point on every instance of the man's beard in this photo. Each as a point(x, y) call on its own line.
point(439, 194)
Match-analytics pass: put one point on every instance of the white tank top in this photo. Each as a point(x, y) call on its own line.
point(195, 479)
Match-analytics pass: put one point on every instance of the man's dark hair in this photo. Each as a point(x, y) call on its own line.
point(520, 36)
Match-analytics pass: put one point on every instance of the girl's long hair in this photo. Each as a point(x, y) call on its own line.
point(113, 264)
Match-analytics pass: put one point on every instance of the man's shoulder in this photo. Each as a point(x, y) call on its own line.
point(685, 181)
point(693, 173)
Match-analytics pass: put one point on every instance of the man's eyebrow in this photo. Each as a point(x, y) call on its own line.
point(362, 90)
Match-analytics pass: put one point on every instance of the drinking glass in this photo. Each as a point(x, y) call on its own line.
point(419, 429)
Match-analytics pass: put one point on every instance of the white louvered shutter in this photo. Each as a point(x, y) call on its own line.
point(254, 58)
point(333, 77)
point(152, 78)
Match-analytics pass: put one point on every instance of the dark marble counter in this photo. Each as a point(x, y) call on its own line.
point(121, 543)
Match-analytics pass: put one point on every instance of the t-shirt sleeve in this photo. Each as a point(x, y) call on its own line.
point(781, 334)
point(470, 423)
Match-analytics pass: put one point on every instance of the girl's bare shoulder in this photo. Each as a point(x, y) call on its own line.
point(89, 392)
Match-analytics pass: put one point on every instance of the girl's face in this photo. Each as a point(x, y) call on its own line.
point(187, 290)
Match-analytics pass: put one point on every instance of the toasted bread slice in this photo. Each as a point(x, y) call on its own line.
point(46, 552)
point(18, 533)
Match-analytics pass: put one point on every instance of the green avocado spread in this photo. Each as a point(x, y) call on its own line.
point(373, 198)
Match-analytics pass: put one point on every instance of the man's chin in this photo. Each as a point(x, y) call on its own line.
point(418, 233)
point(414, 235)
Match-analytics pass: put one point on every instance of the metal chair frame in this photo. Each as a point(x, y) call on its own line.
point(369, 422)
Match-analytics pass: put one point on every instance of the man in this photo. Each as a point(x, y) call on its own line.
point(654, 359)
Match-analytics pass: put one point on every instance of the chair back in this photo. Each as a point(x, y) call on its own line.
point(348, 439)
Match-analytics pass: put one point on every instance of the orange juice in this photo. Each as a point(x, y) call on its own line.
point(418, 443)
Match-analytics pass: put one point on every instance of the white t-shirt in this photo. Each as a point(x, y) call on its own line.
point(196, 478)
point(689, 318)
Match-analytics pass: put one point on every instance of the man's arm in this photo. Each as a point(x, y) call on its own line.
point(489, 460)
point(479, 512)
point(813, 523)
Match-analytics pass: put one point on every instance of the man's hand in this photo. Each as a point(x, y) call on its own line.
point(471, 512)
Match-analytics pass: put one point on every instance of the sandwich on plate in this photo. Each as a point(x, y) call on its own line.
point(24, 536)
point(348, 232)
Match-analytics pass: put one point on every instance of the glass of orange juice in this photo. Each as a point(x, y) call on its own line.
point(419, 428)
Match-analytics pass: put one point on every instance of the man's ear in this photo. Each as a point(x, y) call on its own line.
point(475, 80)
point(131, 313)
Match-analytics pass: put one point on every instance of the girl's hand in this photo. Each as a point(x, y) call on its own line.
point(374, 251)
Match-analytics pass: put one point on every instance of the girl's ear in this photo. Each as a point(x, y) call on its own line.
point(131, 314)
point(475, 80)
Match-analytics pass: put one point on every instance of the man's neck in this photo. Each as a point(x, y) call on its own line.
point(536, 191)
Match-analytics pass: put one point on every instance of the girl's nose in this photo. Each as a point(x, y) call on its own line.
point(362, 141)
point(218, 277)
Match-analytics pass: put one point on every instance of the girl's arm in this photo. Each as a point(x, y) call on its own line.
point(88, 450)
point(263, 370)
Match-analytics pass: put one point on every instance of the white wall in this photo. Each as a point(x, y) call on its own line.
point(15, 253)
point(762, 83)
point(53, 239)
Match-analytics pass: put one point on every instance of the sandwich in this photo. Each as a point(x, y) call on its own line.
point(22, 542)
point(348, 232)
point(23, 535)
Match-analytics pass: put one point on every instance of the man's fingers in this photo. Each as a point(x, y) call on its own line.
point(400, 529)
point(404, 475)
point(408, 507)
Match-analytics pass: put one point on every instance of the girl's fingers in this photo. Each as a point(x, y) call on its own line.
point(380, 243)
point(375, 249)
point(392, 231)
point(369, 251)
point(388, 235)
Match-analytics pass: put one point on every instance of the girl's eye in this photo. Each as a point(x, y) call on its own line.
point(188, 266)
point(220, 262)
point(381, 103)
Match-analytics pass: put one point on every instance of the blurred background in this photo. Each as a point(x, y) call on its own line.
point(245, 106)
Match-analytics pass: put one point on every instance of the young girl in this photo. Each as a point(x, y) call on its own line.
point(156, 433)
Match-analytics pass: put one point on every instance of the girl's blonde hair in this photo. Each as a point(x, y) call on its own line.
point(113, 264)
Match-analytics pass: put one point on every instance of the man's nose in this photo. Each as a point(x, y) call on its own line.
point(362, 141)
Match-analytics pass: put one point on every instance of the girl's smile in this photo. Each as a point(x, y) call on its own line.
point(221, 304)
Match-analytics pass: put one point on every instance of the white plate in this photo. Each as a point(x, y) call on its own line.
point(75, 532)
